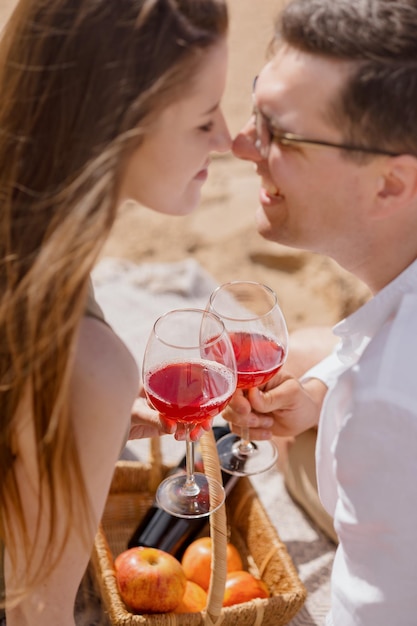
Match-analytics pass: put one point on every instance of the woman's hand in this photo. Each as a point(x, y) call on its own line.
point(146, 422)
point(284, 408)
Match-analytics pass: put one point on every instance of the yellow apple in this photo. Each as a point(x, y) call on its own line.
point(149, 580)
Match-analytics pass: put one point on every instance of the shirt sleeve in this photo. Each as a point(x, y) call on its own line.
point(328, 370)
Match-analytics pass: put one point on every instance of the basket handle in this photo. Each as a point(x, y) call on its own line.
point(218, 523)
point(218, 531)
point(156, 463)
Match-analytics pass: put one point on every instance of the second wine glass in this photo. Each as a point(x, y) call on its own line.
point(259, 335)
point(189, 375)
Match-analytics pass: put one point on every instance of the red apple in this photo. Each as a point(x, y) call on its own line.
point(149, 580)
point(194, 600)
point(242, 587)
point(196, 561)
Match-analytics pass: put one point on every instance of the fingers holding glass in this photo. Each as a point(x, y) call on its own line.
point(259, 336)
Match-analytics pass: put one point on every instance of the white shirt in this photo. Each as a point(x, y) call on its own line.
point(367, 459)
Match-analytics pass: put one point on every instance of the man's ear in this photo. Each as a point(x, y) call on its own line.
point(397, 185)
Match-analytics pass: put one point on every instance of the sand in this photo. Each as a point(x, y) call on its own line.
point(221, 234)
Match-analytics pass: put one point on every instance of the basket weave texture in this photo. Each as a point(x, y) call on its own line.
point(248, 527)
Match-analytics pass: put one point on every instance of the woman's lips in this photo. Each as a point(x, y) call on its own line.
point(203, 173)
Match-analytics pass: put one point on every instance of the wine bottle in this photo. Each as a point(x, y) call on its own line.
point(159, 529)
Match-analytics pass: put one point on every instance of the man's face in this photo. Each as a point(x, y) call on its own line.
point(311, 197)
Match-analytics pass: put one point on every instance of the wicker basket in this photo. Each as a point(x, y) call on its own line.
point(248, 527)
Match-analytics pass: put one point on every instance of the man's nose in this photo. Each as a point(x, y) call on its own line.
point(244, 144)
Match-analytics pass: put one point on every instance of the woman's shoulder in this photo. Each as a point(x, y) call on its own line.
point(104, 383)
point(92, 308)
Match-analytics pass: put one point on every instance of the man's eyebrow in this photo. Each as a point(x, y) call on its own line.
point(271, 122)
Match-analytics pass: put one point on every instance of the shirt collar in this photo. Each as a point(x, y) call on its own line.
point(358, 329)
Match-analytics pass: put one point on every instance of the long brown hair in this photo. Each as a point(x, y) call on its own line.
point(80, 82)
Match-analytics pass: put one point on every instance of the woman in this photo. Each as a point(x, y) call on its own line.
point(102, 101)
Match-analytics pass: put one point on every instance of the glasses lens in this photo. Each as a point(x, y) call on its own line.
point(263, 136)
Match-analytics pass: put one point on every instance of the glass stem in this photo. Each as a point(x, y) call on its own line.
point(246, 447)
point(191, 488)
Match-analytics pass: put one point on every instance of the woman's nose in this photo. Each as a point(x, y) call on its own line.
point(223, 139)
point(244, 144)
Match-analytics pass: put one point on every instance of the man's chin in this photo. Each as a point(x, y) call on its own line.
point(263, 225)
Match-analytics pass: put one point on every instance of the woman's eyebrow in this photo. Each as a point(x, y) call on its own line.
point(212, 109)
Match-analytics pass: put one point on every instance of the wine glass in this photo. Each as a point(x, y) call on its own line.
point(259, 335)
point(189, 375)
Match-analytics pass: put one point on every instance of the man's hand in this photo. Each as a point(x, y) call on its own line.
point(284, 408)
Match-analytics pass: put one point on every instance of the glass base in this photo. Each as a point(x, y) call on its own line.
point(235, 459)
point(173, 496)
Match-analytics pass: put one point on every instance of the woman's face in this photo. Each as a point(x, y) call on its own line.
point(168, 169)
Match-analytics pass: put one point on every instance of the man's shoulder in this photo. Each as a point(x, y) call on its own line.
point(390, 360)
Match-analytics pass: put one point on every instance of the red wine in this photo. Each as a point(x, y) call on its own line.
point(159, 529)
point(258, 358)
point(190, 391)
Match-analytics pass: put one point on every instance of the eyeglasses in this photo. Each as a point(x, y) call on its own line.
point(266, 133)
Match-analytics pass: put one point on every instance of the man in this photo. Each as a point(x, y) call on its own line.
point(334, 140)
